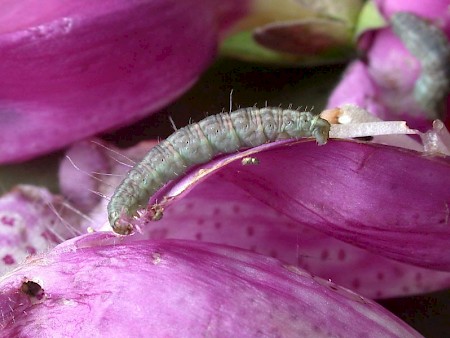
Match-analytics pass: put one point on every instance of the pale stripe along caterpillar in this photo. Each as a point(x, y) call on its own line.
point(198, 143)
point(432, 48)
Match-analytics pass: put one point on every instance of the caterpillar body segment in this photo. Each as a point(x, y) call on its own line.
point(198, 143)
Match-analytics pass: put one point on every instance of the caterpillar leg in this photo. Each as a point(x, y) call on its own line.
point(156, 212)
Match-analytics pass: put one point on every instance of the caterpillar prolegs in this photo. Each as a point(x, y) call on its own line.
point(198, 143)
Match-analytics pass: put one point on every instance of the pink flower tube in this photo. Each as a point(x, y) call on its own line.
point(99, 284)
point(372, 242)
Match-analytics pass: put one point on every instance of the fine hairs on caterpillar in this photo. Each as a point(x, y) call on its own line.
point(431, 47)
point(198, 143)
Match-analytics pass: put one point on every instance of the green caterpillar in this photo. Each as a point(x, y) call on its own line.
point(198, 143)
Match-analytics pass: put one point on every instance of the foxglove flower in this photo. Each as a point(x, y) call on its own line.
point(99, 284)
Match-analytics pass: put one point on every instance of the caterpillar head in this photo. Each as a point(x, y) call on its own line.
point(320, 129)
point(119, 225)
point(300, 124)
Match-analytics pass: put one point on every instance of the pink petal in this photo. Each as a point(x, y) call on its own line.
point(31, 220)
point(92, 169)
point(388, 200)
point(70, 71)
point(209, 214)
point(85, 174)
point(97, 284)
point(358, 87)
point(386, 54)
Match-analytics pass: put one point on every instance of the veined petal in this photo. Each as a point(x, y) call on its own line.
point(218, 210)
point(388, 200)
point(101, 284)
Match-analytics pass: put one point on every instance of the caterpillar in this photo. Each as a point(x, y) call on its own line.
point(198, 143)
point(432, 48)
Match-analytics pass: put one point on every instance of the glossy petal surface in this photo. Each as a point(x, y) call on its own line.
point(99, 284)
point(80, 68)
point(223, 208)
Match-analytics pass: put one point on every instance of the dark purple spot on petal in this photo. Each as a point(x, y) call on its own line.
point(418, 277)
point(398, 272)
point(236, 209)
point(200, 221)
point(380, 276)
point(324, 255)
point(158, 234)
point(250, 231)
point(6, 220)
point(356, 283)
point(9, 260)
point(217, 225)
point(31, 250)
point(198, 236)
point(341, 255)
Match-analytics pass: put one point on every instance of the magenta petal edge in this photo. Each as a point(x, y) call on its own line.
point(101, 283)
point(387, 200)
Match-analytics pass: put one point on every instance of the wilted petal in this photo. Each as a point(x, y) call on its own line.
point(309, 38)
point(96, 284)
point(78, 68)
point(349, 121)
